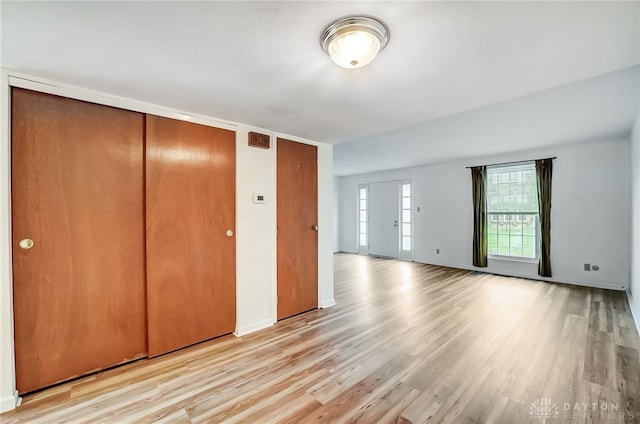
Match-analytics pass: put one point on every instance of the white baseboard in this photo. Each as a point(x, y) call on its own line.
point(554, 279)
point(327, 303)
point(242, 331)
point(634, 313)
point(562, 280)
point(8, 403)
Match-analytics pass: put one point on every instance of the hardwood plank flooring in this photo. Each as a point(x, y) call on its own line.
point(406, 343)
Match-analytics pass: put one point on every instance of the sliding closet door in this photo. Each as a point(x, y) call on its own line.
point(190, 233)
point(78, 237)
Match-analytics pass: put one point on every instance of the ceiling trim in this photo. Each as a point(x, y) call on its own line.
point(79, 93)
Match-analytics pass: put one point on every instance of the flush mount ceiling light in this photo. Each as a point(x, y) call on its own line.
point(353, 42)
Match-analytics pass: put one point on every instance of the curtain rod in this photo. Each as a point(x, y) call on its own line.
point(509, 163)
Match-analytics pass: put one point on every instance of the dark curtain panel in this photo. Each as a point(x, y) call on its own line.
point(544, 170)
point(480, 247)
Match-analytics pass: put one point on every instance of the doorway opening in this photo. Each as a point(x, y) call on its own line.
point(385, 219)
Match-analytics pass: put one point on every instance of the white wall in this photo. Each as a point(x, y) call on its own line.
point(255, 233)
point(255, 223)
point(325, 223)
point(634, 287)
point(590, 215)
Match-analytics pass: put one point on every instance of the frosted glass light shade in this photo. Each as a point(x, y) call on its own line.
point(355, 41)
point(354, 49)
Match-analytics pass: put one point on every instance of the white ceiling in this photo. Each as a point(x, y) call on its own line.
point(457, 79)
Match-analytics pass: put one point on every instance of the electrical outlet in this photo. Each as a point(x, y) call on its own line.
point(587, 267)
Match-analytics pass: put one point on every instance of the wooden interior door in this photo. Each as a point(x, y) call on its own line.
point(191, 290)
point(77, 192)
point(297, 211)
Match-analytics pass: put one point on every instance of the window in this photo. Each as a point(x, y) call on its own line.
point(512, 227)
point(406, 217)
point(522, 198)
point(362, 217)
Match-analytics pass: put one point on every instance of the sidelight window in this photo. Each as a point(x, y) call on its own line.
point(406, 217)
point(362, 217)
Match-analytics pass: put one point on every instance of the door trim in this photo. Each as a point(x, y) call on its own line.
point(8, 394)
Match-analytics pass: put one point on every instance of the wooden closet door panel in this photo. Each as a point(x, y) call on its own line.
point(191, 289)
point(297, 211)
point(77, 191)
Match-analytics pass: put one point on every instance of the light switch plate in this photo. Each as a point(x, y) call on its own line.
point(259, 198)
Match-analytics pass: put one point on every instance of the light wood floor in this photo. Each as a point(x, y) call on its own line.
point(407, 343)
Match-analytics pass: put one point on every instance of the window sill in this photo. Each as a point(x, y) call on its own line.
point(513, 259)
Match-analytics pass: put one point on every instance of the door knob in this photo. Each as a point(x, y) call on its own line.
point(314, 228)
point(229, 233)
point(26, 244)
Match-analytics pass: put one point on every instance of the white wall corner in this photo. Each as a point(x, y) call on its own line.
point(634, 271)
point(634, 314)
point(252, 328)
point(7, 403)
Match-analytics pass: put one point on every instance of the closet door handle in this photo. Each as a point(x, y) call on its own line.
point(314, 228)
point(26, 244)
point(229, 233)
